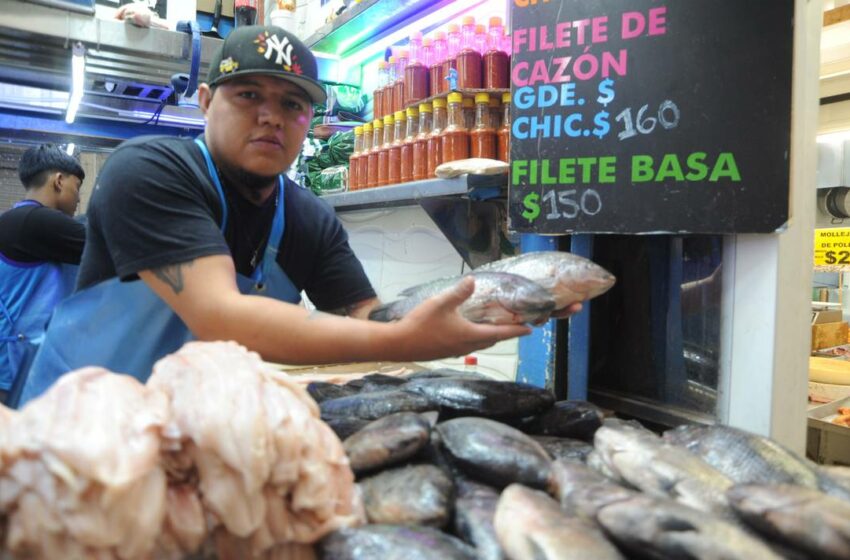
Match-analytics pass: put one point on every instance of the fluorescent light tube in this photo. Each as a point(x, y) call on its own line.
point(78, 77)
point(69, 149)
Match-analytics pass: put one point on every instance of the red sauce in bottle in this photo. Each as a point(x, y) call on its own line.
point(394, 151)
point(378, 103)
point(377, 139)
point(503, 135)
point(420, 144)
point(406, 152)
point(469, 69)
point(455, 137)
point(415, 83)
point(497, 70)
point(436, 79)
point(435, 143)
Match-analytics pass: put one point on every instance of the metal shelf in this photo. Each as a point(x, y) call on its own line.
point(366, 22)
point(410, 194)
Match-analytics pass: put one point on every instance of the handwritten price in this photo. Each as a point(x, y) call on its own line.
point(562, 204)
point(667, 116)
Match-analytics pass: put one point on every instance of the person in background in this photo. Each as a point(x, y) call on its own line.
point(208, 239)
point(40, 246)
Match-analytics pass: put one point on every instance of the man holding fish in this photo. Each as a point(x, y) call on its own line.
point(207, 239)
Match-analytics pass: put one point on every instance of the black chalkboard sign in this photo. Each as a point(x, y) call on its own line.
point(645, 116)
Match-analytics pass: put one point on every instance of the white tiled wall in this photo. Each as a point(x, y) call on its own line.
point(401, 247)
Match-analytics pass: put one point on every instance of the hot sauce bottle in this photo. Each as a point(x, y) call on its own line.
point(399, 133)
point(401, 60)
point(384, 152)
point(468, 59)
point(453, 43)
point(495, 111)
point(503, 136)
point(352, 159)
point(377, 140)
point(420, 145)
point(482, 138)
point(468, 113)
point(497, 62)
point(416, 73)
point(435, 141)
point(412, 131)
point(455, 137)
point(363, 160)
point(389, 90)
point(439, 53)
point(378, 95)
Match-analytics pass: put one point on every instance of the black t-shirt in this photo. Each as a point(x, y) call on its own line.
point(155, 204)
point(31, 234)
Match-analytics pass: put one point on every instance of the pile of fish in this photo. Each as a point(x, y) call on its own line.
point(523, 289)
point(452, 465)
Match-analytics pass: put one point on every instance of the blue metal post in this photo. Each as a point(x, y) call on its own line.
point(537, 351)
point(578, 361)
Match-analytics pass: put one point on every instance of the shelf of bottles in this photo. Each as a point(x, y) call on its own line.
point(443, 98)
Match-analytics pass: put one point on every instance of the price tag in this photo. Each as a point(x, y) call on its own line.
point(832, 247)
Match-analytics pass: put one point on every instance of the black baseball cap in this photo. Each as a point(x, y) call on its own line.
point(269, 51)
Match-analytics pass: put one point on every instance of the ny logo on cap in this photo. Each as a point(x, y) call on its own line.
point(282, 47)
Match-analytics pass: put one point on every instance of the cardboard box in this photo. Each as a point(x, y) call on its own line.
point(827, 316)
point(209, 7)
point(827, 335)
point(828, 443)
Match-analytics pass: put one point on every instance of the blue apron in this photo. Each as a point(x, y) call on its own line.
point(125, 327)
point(28, 294)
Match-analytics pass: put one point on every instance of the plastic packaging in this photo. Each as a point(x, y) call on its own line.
point(482, 138)
point(420, 145)
point(435, 140)
point(455, 137)
point(406, 172)
point(331, 180)
point(471, 166)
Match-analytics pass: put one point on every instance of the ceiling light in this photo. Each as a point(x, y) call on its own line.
point(78, 76)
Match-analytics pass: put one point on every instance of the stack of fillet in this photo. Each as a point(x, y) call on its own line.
point(455, 466)
point(215, 456)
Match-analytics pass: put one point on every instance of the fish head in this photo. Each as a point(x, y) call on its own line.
point(579, 279)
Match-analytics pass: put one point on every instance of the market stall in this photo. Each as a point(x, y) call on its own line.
point(663, 152)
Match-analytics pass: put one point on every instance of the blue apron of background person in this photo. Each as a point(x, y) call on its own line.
point(29, 292)
point(125, 327)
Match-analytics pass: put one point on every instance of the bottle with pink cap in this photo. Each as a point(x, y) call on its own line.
point(416, 73)
point(497, 62)
point(468, 59)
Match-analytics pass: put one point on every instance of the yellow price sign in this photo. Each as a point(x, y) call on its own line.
point(832, 247)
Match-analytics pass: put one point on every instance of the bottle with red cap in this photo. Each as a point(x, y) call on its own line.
point(453, 45)
point(497, 62)
point(468, 59)
point(470, 364)
point(245, 12)
point(416, 73)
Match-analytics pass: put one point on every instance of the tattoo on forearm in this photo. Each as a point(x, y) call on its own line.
point(172, 275)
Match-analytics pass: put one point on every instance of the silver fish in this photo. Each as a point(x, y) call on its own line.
point(660, 469)
point(568, 277)
point(745, 457)
point(583, 491)
point(393, 542)
point(806, 519)
point(499, 298)
point(660, 528)
point(387, 441)
point(531, 526)
point(414, 495)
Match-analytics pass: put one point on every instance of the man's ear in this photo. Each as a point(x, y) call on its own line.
point(205, 95)
point(56, 181)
